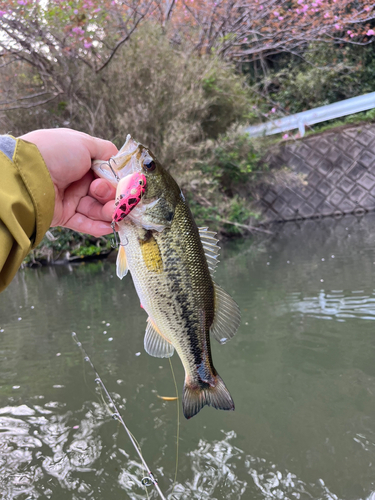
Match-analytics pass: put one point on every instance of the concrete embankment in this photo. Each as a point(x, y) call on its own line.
point(339, 174)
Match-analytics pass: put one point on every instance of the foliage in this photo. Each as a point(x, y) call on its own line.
point(171, 105)
point(223, 183)
point(57, 39)
point(64, 244)
point(177, 101)
point(326, 74)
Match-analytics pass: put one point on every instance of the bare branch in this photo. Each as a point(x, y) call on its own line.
point(29, 106)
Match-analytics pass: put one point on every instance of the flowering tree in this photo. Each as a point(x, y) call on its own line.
point(66, 44)
point(57, 38)
point(253, 29)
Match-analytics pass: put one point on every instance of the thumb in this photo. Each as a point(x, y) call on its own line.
point(100, 149)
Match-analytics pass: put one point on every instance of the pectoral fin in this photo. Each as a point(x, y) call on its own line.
point(227, 316)
point(155, 344)
point(121, 263)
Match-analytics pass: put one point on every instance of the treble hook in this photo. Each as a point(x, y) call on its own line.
point(115, 242)
point(113, 172)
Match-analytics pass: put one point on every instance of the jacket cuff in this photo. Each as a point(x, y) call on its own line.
point(35, 175)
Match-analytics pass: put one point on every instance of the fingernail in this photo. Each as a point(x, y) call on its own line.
point(102, 190)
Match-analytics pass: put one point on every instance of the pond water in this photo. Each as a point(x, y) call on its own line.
point(301, 371)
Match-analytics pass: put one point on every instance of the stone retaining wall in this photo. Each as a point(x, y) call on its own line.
point(339, 168)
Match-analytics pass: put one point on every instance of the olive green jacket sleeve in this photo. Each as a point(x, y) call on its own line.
point(27, 200)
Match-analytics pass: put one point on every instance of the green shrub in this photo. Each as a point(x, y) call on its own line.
point(325, 74)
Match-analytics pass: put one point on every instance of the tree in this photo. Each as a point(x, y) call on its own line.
point(255, 29)
point(58, 47)
point(56, 41)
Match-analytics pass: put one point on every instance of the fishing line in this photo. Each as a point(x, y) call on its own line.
point(178, 425)
point(149, 479)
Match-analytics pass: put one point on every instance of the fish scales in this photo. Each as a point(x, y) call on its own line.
point(175, 297)
point(170, 259)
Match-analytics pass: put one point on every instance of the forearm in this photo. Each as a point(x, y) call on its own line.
point(27, 200)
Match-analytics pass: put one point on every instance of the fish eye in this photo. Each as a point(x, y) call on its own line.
point(149, 165)
point(141, 182)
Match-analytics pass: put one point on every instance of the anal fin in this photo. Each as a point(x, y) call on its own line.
point(155, 343)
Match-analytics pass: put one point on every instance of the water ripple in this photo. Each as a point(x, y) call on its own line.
point(334, 304)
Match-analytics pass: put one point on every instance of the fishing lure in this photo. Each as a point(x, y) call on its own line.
point(129, 193)
point(130, 189)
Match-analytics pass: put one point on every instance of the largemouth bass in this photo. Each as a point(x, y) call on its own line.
point(172, 262)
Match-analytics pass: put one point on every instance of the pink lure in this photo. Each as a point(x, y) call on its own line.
point(130, 189)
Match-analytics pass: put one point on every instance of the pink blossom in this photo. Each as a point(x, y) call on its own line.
point(275, 13)
point(281, 18)
point(305, 8)
point(22, 2)
point(370, 33)
point(87, 45)
point(2, 13)
point(300, 1)
point(326, 15)
point(285, 136)
point(273, 110)
point(298, 11)
point(348, 32)
point(352, 35)
point(75, 11)
point(337, 26)
point(367, 8)
point(261, 7)
point(78, 30)
point(98, 9)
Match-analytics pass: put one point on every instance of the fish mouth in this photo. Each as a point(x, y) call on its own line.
point(124, 163)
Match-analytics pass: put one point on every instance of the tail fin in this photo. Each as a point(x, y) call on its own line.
point(197, 396)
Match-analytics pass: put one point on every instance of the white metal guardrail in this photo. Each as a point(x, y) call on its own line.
point(313, 116)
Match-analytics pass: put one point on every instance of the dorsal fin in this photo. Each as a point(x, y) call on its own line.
point(227, 317)
point(155, 344)
point(211, 249)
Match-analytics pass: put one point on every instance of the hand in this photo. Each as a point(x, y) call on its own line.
point(82, 202)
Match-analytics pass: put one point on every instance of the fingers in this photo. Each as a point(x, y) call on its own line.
point(102, 190)
point(92, 209)
point(83, 224)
